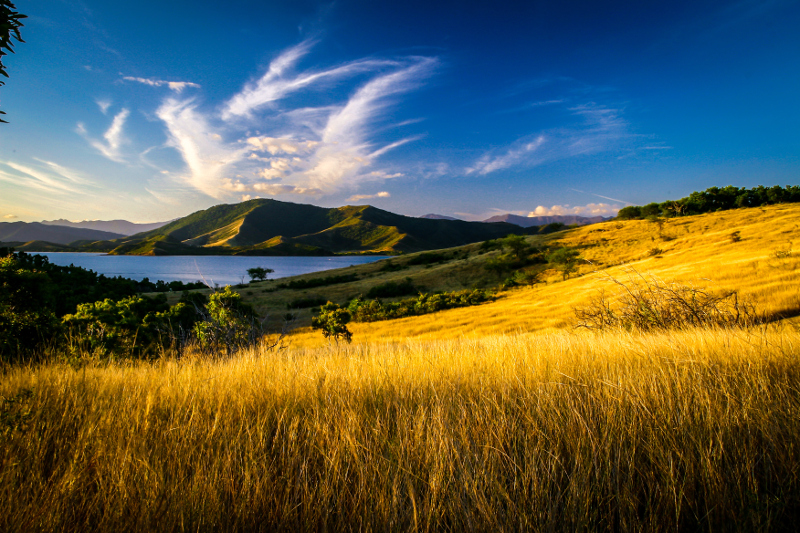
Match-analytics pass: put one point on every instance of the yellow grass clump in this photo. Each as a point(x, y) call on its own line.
point(690, 430)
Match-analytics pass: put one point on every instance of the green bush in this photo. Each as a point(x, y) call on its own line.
point(228, 324)
point(374, 310)
point(332, 321)
point(26, 316)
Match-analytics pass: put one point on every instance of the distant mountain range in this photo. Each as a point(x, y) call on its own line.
point(527, 222)
point(271, 227)
point(37, 231)
point(120, 227)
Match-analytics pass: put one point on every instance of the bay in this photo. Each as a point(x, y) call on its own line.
point(211, 269)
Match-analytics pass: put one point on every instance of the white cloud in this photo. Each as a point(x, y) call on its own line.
point(513, 156)
point(114, 137)
point(588, 210)
point(177, 86)
point(602, 129)
point(103, 105)
point(274, 189)
point(270, 189)
point(311, 151)
point(359, 197)
point(277, 82)
point(206, 156)
point(52, 181)
point(9, 216)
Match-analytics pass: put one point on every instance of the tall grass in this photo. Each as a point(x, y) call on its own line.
point(690, 430)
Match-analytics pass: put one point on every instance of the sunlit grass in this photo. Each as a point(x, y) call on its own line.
point(616, 431)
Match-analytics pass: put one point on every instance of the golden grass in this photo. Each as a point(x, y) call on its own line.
point(558, 432)
point(701, 254)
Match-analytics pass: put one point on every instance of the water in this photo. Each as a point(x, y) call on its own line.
point(214, 269)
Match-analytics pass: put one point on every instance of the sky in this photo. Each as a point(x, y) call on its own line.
point(148, 111)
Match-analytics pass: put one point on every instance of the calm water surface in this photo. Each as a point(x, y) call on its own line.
point(219, 269)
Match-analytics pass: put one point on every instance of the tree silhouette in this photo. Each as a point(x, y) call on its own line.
point(9, 28)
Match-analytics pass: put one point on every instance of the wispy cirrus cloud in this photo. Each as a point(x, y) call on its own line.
point(310, 150)
point(602, 128)
point(177, 86)
point(53, 179)
point(113, 137)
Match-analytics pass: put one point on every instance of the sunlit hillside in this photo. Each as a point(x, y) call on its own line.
point(761, 262)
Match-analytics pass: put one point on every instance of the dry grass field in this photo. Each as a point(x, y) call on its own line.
point(499, 417)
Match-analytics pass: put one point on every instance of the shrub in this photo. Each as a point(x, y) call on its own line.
point(26, 316)
point(650, 304)
point(374, 310)
point(228, 324)
point(333, 320)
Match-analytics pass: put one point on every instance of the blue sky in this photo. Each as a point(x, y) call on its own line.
point(149, 111)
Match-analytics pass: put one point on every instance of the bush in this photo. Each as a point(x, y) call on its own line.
point(26, 316)
point(228, 324)
point(374, 310)
point(333, 320)
point(650, 304)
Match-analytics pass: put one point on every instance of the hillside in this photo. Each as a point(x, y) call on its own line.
point(35, 231)
point(763, 265)
point(271, 227)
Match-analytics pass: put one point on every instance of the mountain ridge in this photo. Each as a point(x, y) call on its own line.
point(272, 227)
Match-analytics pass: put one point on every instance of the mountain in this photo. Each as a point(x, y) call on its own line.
point(434, 216)
point(527, 222)
point(36, 231)
point(121, 227)
point(271, 227)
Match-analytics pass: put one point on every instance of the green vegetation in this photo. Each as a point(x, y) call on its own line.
point(714, 199)
point(259, 273)
point(332, 321)
point(9, 30)
point(374, 310)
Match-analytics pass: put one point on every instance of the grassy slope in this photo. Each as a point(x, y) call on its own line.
point(689, 431)
point(696, 250)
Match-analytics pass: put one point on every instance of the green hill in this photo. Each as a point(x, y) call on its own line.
point(271, 227)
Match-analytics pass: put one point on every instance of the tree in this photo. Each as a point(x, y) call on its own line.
point(517, 244)
point(333, 320)
point(26, 315)
point(567, 259)
point(9, 28)
point(229, 324)
point(259, 273)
